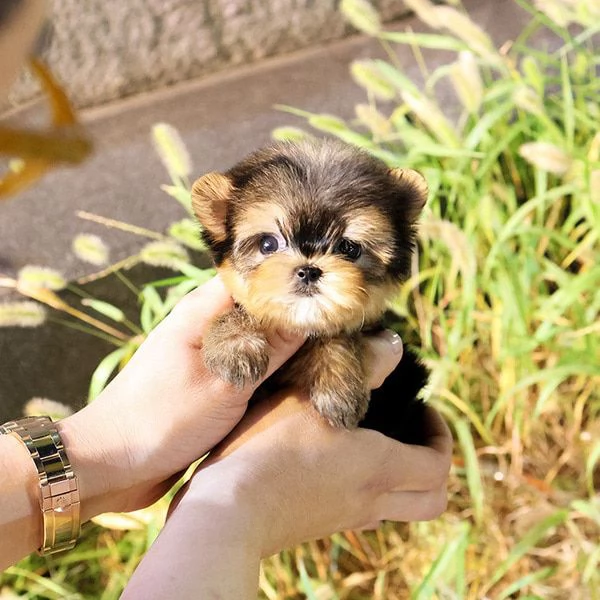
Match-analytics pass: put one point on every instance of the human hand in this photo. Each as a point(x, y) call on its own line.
point(162, 412)
point(282, 477)
point(300, 479)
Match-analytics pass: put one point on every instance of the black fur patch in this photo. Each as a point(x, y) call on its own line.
point(395, 408)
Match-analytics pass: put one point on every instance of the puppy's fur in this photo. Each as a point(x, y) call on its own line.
point(312, 238)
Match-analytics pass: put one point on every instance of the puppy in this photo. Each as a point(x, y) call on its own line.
point(312, 238)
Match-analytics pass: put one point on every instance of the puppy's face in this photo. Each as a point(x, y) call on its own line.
point(312, 237)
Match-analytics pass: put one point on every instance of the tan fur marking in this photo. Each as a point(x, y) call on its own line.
point(370, 228)
point(343, 302)
point(234, 282)
point(210, 195)
point(259, 218)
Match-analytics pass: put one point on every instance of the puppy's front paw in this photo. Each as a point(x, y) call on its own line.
point(344, 407)
point(240, 359)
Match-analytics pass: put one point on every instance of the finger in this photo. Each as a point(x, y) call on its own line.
point(406, 467)
point(418, 469)
point(385, 351)
point(281, 347)
point(437, 433)
point(422, 468)
point(412, 506)
point(194, 311)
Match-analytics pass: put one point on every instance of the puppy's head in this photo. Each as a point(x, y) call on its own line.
point(311, 237)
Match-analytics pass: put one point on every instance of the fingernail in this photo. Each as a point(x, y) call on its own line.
point(394, 339)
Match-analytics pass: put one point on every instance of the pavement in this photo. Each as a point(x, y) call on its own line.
point(221, 118)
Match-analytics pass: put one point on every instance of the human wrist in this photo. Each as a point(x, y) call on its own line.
point(91, 449)
point(212, 532)
point(212, 529)
point(225, 488)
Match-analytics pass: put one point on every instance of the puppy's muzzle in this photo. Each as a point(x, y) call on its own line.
point(308, 274)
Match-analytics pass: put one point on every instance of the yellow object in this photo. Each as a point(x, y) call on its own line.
point(63, 143)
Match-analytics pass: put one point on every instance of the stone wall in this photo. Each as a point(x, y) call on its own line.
point(107, 49)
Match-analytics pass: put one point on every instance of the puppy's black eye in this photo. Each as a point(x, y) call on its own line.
point(268, 244)
point(348, 248)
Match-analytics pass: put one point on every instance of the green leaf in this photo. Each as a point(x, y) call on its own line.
point(105, 308)
point(533, 74)
point(168, 282)
point(306, 581)
point(568, 102)
point(44, 586)
point(367, 74)
point(473, 473)
point(290, 134)
point(393, 76)
point(591, 571)
point(484, 126)
point(181, 194)
point(549, 380)
point(104, 371)
point(510, 590)
point(440, 151)
point(327, 123)
point(176, 293)
point(518, 219)
point(200, 276)
point(527, 543)
point(589, 508)
point(444, 560)
point(152, 310)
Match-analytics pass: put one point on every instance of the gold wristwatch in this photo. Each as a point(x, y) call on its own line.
point(59, 492)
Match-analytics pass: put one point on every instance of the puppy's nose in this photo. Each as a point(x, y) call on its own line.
point(308, 274)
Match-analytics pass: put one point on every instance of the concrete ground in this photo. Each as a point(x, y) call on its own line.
point(221, 118)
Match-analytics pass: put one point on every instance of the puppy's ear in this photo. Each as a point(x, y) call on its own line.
point(210, 196)
point(415, 187)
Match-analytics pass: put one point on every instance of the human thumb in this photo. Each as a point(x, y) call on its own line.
point(282, 346)
point(385, 351)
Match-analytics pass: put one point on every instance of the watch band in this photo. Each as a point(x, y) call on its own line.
point(59, 491)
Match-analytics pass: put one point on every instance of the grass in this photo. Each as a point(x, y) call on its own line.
point(505, 309)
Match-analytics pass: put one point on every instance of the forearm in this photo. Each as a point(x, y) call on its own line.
point(208, 549)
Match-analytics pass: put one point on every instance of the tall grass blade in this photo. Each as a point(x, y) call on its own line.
point(442, 563)
point(527, 542)
point(472, 470)
point(510, 590)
